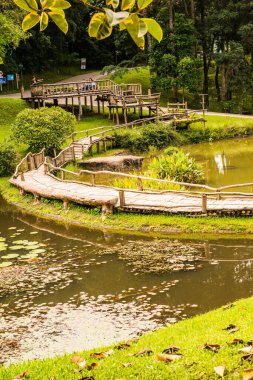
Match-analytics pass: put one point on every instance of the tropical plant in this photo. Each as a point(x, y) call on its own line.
point(102, 22)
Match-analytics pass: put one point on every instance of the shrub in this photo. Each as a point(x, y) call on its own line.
point(178, 166)
point(8, 159)
point(43, 128)
point(157, 135)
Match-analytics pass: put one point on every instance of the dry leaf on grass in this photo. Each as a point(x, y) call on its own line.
point(92, 367)
point(247, 374)
point(230, 327)
point(220, 370)
point(211, 347)
point(235, 342)
point(123, 346)
point(21, 375)
point(79, 361)
point(87, 378)
point(101, 355)
point(168, 357)
point(247, 358)
point(171, 350)
point(246, 350)
point(126, 365)
point(143, 352)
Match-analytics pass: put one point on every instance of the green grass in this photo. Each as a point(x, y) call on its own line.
point(9, 108)
point(189, 335)
point(140, 75)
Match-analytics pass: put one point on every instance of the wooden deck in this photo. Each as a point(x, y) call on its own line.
point(39, 175)
point(47, 186)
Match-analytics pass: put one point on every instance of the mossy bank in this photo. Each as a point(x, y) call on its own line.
point(159, 224)
point(202, 345)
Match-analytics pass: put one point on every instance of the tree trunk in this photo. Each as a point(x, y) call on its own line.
point(204, 46)
point(193, 13)
point(217, 85)
point(223, 84)
point(171, 18)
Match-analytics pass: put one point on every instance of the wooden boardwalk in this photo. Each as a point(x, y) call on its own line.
point(45, 185)
point(39, 175)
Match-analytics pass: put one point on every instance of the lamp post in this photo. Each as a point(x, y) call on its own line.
point(21, 66)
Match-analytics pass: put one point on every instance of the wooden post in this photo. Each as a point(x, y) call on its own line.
point(91, 103)
point(103, 106)
point(65, 204)
point(122, 200)
point(22, 176)
point(62, 175)
point(55, 102)
point(107, 209)
point(117, 115)
point(139, 184)
point(93, 179)
point(204, 203)
point(66, 102)
point(90, 148)
point(36, 198)
point(98, 104)
point(125, 115)
point(80, 109)
point(104, 142)
point(73, 108)
point(45, 168)
point(218, 195)
point(85, 101)
point(73, 153)
point(35, 162)
point(98, 148)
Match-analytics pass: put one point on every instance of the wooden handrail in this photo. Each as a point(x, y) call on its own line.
point(25, 160)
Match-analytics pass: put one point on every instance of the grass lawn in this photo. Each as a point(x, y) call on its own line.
point(189, 336)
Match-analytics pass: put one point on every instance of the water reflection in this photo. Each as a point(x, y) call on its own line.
point(80, 295)
point(225, 162)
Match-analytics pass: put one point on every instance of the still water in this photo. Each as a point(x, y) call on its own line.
point(225, 162)
point(70, 288)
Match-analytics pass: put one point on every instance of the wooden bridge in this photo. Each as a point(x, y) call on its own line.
point(46, 177)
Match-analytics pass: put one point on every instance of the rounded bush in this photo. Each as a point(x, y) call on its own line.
point(43, 128)
point(8, 159)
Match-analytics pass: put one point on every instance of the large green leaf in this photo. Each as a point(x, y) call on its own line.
point(99, 27)
point(133, 30)
point(143, 3)
point(142, 28)
point(153, 28)
point(60, 21)
point(30, 21)
point(115, 18)
point(61, 4)
point(27, 5)
point(113, 3)
point(127, 4)
point(43, 21)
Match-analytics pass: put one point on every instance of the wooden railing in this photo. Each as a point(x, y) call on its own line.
point(188, 189)
point(82, 87)
point(29, 162)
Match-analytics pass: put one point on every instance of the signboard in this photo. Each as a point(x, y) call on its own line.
point(10, 77)
point(3, 80)
point(83, 63)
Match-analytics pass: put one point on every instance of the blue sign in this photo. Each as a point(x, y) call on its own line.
point(10, 77)
point(3, 80)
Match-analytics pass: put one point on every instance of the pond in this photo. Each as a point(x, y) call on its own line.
point(225, 162)
point(71, 288)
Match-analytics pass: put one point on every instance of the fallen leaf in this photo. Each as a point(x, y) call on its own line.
point(250, 343)
point(92, 366)
point(79, 361)
point(21, 375)
point(248, 357)
point(143, 352)
point(122, 346)
point(126, 365)
point(247, 374)
point(101, 355)
point(168, 357)
point(230, 327)
point(171, 350)
point(211, 347)
point(87, 378)
point(235, 342)
point(233, 330)
point(228, 306)
point(132, 340)
point(220, 370)
point(247, 350)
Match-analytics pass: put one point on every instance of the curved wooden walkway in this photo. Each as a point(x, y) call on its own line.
point(38, 175)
